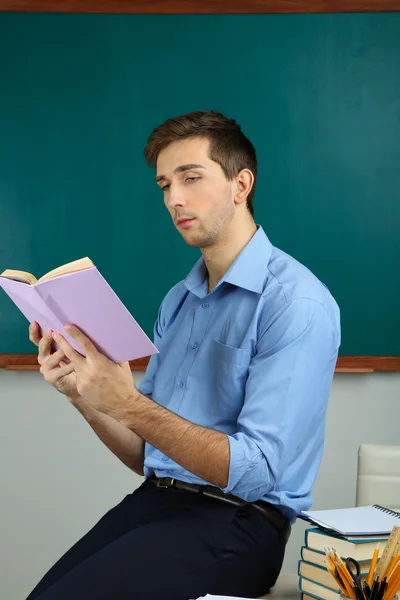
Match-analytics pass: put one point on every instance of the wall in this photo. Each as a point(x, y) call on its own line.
point(58, 479)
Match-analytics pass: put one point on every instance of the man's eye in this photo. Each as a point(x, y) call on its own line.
point(191, 179)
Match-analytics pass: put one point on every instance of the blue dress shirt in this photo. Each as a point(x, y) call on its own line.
point(253, 359)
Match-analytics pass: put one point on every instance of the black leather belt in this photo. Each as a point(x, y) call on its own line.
point(268, 510)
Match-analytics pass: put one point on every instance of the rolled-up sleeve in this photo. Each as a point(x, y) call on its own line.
point(283, 417)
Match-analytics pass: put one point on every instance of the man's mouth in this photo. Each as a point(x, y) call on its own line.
point(184, 222)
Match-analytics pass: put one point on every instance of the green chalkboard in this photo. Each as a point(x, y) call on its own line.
point(319, 96)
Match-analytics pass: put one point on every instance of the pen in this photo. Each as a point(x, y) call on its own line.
point(367, 590)
point(358, 592)
point(374, 588)
point(382, 589)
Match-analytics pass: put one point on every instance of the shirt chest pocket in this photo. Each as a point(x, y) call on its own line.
point(229, 372)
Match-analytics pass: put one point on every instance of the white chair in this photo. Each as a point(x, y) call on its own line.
point(378, 476)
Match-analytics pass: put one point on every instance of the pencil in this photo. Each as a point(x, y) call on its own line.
point(373, 564)
point(393, 565)
point(339, 582)
point(393, 588)
point(394, 574)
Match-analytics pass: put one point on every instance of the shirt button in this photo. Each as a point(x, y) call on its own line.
point(179, 384)
point(165, 458)
point(205, 304)
point(194, 345)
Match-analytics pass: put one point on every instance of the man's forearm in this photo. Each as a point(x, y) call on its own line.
point(202, 451)
point(123, 442)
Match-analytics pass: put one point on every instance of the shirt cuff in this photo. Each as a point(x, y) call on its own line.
point(247, 468)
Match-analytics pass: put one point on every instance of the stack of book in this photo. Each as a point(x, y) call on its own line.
point(351, 532)
point(314, 579)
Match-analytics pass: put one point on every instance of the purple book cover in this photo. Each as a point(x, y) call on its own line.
point(84, 299)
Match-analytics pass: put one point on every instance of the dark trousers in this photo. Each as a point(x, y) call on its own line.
point(168, 544)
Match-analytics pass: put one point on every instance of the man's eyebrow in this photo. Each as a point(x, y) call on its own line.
point(181, 169)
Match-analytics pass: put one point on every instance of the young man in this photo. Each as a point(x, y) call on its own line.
point(228, 423)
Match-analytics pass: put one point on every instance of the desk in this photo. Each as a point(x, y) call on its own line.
point(286, 588)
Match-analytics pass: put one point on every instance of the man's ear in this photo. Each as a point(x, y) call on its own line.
point(244, 181)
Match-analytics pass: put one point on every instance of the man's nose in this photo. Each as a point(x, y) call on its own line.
point(175, 196)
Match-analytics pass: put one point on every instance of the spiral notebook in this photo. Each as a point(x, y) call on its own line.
point(360, 520)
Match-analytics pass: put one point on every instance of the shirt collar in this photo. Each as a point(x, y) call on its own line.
point(247, 270)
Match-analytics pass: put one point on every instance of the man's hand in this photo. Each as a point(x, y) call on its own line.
point(59, 371)
point(54, 366)
point(106, 386)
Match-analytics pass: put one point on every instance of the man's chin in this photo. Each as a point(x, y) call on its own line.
point(191, 240)
point(197, 241)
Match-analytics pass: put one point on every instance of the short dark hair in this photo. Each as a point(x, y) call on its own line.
point(229, 147)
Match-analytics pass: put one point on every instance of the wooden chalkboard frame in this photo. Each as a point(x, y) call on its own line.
point(200, 6)
point(345, 364)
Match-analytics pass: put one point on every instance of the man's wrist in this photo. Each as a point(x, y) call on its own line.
point(127, 413)
point(82, 406)
point(74, 400)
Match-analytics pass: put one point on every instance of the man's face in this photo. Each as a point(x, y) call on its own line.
point(195, 188)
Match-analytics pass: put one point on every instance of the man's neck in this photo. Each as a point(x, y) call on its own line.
point(219, 258)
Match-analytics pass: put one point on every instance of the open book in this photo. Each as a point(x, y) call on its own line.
point(77, 293)
point(72, 267)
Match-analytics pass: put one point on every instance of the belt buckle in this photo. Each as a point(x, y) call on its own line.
point(165, 487)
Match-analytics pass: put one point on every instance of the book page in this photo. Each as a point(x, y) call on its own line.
point(22, 276)
point(71, 267)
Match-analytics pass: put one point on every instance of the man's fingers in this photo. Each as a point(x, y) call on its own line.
point(56, 374)
point(42, 342)
point(65, 361)
point(126, 366)
point(69, 351)
point(45, 347)
point(53, 360)
point(85, 343)
point(34, 333)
